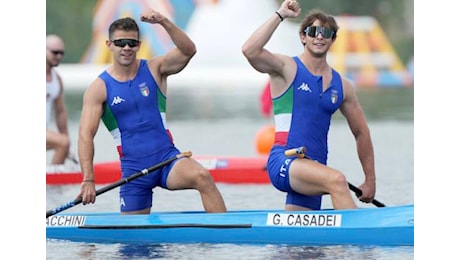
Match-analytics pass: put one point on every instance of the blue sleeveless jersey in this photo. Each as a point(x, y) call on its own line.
point(302, 114)
point(135, 115)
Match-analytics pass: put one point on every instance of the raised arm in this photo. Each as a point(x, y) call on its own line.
point(253, 49)
point(176, 59)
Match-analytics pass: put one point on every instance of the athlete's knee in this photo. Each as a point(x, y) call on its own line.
point(64, 142)
point(203, 178)
point(337, 182)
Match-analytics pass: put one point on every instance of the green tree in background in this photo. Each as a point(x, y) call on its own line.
point(72, 20)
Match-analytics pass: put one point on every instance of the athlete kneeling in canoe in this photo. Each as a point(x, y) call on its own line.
point(130, 98)
point(306, 92)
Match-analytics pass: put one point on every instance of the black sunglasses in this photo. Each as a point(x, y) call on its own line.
point(122, 42)
point(314, 31)
point(57, 52)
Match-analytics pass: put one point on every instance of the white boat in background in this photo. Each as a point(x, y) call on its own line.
point(239, 78)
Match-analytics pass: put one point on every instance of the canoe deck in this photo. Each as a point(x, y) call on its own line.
point(389, 226)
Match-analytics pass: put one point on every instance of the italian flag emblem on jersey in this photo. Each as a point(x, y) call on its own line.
point(334, 96)
point(333, 99)
point(144, 90)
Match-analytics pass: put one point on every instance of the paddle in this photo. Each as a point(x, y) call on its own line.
point(358, 193)
point(118, 183)
point(300, 152)
point(72, 157)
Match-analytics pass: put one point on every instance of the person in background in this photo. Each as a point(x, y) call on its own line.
point(59, 140)
point(130, 98)
point(306, 91)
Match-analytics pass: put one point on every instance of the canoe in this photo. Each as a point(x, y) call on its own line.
point(384, 226)
point(224, 169)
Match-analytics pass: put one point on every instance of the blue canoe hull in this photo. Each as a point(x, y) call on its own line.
point(387, 226)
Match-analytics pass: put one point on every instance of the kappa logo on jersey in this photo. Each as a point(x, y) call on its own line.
point(304, 87)
point(144, 89)
point(117, 100)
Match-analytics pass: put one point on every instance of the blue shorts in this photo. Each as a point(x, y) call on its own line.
point(138, 193)
point(278, 171)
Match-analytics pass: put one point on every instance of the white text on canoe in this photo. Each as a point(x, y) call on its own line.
point(65, 221)
point(304, 220)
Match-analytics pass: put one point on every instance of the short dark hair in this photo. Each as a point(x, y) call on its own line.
point(326, 20)
point(125, 24)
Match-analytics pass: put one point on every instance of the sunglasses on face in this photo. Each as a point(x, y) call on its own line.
point(57, 52)
point(122, 43)
point(314, 31)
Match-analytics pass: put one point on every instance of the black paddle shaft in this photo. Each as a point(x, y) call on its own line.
point(118, 183)
point(359, 192)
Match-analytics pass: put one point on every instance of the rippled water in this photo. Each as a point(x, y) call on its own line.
point(224, 251)
point(225, 123)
